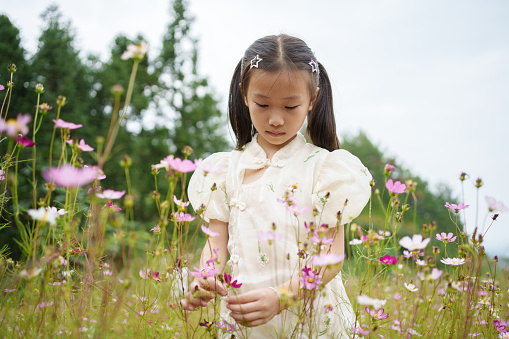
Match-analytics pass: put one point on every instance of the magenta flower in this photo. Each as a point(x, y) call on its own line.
point(229, 282)
point(24, 142)
point(389, 168)
point(269, 236)
point(66, 125)
point(110, 194)
point(70, 176)
point(377, 315)
point(183, 217)
point(295, 209)
point(455, 207)
point(206, 167)
point(14, 127)
point(395, 188)
point(310, 279)
point(495, 206)
point(327, 259)
point(500, 325)
point(388, 260)
point(113, 207)
point(182, 166)
point(81, 145)
point(208, 231)
point(206, 272)
point(446, 237)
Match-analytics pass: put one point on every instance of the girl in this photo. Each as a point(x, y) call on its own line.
point(279, 203)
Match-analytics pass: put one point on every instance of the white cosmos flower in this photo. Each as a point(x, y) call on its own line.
point(414, 243)
point(453, 261)
point(136, 52)
point(411, 287)
point(365, 300)
point(45, 215)
point(55, 210)
point(356, 242)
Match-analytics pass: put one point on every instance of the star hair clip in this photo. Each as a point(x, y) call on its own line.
point(255, 61)
point(314, 66)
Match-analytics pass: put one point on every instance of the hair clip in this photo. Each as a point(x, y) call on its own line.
point(314, 66)
point(255, 61)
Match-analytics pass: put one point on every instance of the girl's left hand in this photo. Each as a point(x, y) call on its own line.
point(254, 308)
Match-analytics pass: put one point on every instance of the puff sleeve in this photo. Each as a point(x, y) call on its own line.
point(199, 190)
point(343, 176)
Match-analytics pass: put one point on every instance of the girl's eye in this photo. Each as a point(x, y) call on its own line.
point(260, 105)
point(291, 107)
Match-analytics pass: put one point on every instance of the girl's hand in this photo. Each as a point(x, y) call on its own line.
point(254, 308)
point(201, 291)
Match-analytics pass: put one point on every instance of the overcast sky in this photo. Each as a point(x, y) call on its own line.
point(426, 80)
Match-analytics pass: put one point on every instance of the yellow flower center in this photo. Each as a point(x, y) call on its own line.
point(310, 280)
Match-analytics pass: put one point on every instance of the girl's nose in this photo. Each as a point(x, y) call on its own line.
point(276, 119)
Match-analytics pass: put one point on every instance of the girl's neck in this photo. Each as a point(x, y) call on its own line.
point(271, 149)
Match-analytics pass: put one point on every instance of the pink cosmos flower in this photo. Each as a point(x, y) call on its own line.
point(295, 209)
point(494, 205)
point(25, 142)
point(182, 166)
point(145, 274)
point(446, 237)
point(184, 217)
point(213, 259)
point(2, 173)
point(377, 314)
point(453, 261)
point(269, 236)
point(81, 145)
point(66, 125)
point(501, 325)
point(2, 87)
point(414, 243)
point(327, 259)
point(70, 176)
point(156, 229)
point(388, 260)
point(229, 282)
point(226, 327)
point(14, 127)
point(421, 262)
point(310, 279)
point(113, 207)
point(395, 188)
point(389, 168)
point(455, 207)
point(110, 194)
point(206, 167)
point(321, 240)
point(208, 231)
point(180, 203)
point(397, 297)
point(206, 272)
point(9, 291)
point(360, 330)
point(45, 304)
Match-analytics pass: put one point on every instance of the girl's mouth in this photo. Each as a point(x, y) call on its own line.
point(275, 134)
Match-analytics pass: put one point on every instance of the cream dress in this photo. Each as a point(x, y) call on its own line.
point(251, 208)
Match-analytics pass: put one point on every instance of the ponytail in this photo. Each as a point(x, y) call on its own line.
point(321, 121)
point(238, 112)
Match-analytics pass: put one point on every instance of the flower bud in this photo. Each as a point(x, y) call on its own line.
point(214, 187)
point(495, 259)
point(372, 183)
point(117, 89)
point(425, 228)
point(12, 68)
point(39, 89)
point(495, 216)
point(10, 84)
point(126, 161)
point(129, 200)
point(156, 195)
point(436, 250)
point(463, 176)
point(377, 192)
point(478, 183)
point(61, 100)
point(187, 151)
point(432, 225)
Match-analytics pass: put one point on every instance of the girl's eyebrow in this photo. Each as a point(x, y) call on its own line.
point(259, 95)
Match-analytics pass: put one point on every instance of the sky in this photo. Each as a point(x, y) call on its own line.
point(426, 80)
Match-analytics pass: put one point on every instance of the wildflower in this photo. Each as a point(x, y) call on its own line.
point(205, 272)
point(60, 261)
point(206, 324)
point(453, 261)
point(500, 325)
point(414, 243)
point(145, 274)
point(213, 259)
point(321, 240)
point(411, 287)
point(229, 282)
point(39, 88)
point(206, 167)
point(156, 277)
point(209, 232)
point(14, 127)
point(136, 52)
point(435, 274)
point(44, 215)
point(377, 314)
point(269, 236)
point(156, 229)
point(388, 260)
point(310, 279)
point(446, 237)
point(494, 205)
point(70, 176)
point(328, 308)
point(182, 166)
point(113, 207)
point(386, 233)
point(9, 291)
point(226, 327)
point(183, 217)
point(30, 273)
point(421, 262)
point(355, 242)
point(455, 207)
point(110, 194)
point(503, 336)
point(2, 173)
point(2, 87)
point(82, 146)
point(107, 272)
point(24, 142)
point(365, 300)
point(45, 304)
point(44, 107)
point(360, 330)
point(396, 187)
point(388, 169)
point(54, 210)
point(66, 125)
point(397, 297)
point(295, 209)
point(327, 259)
point(180, 203)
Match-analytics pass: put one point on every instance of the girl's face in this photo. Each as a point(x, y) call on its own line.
point(278, 104)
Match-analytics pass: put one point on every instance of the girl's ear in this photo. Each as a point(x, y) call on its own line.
point(313, 99)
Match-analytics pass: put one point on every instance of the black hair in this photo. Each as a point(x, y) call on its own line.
point(278, 53)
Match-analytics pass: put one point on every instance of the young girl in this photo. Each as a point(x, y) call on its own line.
point(276, 200)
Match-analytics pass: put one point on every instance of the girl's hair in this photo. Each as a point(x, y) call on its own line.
point(278, 53)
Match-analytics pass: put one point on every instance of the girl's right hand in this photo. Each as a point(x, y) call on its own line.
point(201, 291)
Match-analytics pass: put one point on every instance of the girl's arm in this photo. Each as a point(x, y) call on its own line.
point(201, 290)
point(257, 307)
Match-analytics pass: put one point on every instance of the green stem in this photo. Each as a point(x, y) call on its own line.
point(34, 153)
point(53, 138)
